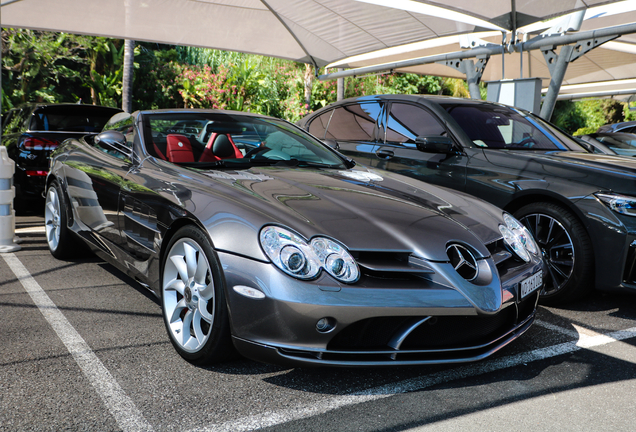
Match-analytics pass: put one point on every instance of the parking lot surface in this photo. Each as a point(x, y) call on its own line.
point(83, 347)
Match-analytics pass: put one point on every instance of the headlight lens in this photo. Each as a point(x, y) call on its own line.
point(304, 260)
point(289, 252)
point(622, 204)
point(518, 238)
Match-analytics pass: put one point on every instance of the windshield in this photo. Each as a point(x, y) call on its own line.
point(208, 140)
point(501, 127)
point(619, 143)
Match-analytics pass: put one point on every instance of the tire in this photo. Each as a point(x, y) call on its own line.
point(193, 299)
point(566, 248)
point(59, 237)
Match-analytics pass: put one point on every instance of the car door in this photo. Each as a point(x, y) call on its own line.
point(405, 125)
point(354, 128)
point(94, 174)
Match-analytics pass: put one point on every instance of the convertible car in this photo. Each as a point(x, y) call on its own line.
point(258, 238)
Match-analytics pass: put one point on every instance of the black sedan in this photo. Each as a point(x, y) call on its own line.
point(30, 132)
point(616, 143)
point(255, 235)
point(579, 206)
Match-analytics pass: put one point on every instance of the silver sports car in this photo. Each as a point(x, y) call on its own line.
point(258, 238)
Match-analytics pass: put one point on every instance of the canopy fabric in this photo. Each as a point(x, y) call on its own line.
point(311, 31)
point(611, 61)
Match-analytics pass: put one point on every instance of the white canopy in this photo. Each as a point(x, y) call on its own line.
point(312, 31)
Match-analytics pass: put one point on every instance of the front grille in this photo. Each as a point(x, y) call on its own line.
point(443, 332)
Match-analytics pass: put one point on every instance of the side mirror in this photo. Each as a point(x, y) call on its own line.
point(434, 144)
point(332, 143)
point(115, 140)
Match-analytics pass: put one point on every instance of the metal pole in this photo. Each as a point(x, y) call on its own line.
point(472, 78)
point(340, 90)
point(533, 44)
point(557, 73)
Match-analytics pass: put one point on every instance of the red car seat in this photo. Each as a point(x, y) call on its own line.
point(179, 149)
point(220, 146)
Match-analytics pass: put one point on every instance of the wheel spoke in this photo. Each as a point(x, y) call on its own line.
point(201, 270)
point(176, 313)
point(203, 310)
point(175, 285)
point(556, 246)
point(187, 323)
point(196, 326)
point(51, 207)
point(180, 265)
point(190, 259)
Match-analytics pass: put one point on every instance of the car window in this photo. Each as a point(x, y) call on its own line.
point(406, 122)
point(318, 126)
point(233, 139)
point(500, 127)
point(355, 122)
point(69, 118)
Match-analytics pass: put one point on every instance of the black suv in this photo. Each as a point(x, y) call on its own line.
point(30, 132)
point(581, 207)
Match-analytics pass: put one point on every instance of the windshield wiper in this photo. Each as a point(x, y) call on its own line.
point(308, 164)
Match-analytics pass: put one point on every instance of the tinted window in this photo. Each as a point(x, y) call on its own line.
point(318, 126)
point(493, 126)
point(73, 118)
point(406, 122)
point(354, 122)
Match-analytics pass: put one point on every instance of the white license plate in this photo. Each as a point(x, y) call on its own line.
point(532, 283)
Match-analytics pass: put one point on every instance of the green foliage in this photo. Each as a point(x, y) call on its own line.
point(40, 67)
point(57, 67)
point(586, 116)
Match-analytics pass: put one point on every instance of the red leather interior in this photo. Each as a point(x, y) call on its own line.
point(220, 146)
point(179, 149)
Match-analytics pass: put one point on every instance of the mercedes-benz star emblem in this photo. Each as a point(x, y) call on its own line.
point(463, 261)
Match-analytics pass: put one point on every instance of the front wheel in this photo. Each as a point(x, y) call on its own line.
point(566, 248)
point(193, 299)
point(58, 236)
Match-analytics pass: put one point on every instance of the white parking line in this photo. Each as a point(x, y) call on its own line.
point(583, 341)
point(122, 408)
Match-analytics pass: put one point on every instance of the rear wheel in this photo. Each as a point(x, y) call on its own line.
point(59, 238)
point(566, 248)
point(193, 299)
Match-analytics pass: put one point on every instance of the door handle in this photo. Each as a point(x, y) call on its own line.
point(384, 154)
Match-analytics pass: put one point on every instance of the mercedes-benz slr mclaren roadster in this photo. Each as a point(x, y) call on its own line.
point(258, 238)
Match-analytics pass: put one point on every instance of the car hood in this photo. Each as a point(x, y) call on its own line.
point(366, 210)
point(604, 172)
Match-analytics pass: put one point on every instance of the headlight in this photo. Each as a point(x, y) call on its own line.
point(518, 238)
point(622, 204)
point(304, 260)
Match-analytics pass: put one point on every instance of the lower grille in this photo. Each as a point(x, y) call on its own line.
point(435, 333)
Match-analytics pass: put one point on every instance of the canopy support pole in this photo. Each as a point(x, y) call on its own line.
point(472, 70)
point(558, 64)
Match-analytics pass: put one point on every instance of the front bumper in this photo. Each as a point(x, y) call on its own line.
point(371, 325)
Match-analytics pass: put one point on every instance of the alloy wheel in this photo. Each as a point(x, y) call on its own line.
point(52, 218)
point(188, 295)
point(557, 249)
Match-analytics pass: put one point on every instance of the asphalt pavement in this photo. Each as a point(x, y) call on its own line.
point(83, 347)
